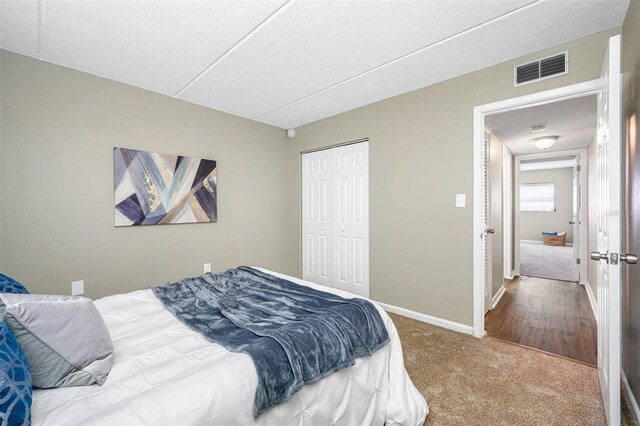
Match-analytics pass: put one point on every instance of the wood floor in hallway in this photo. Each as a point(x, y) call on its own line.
point(552, 316)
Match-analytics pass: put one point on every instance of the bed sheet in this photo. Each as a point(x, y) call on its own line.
point(166, 374)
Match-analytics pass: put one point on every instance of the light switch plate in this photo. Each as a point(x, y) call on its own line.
point(77, 288)
point(461, 200)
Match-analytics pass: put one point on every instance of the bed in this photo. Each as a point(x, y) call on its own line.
point(166, 373)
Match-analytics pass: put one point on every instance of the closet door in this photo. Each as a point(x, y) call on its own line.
point(351, 218)
point(316, 222)
point(335, 217)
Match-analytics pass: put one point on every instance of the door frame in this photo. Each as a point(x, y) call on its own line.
point(508, 179)
point(540, 98)
point(584, 224)
point(488, 279)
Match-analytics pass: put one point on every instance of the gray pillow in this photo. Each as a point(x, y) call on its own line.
point(64, 338)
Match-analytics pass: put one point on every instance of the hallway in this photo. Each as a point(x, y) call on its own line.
point(552, 316)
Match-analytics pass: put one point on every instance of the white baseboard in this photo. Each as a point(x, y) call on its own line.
point(497, 297)
point(540, 242)
point(592, 299)
point(635, 411)
point(450, 325)
point(531, 241)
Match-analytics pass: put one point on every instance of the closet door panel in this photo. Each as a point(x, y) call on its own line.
point(351, 210)
point(316, 217)
point(335, 217)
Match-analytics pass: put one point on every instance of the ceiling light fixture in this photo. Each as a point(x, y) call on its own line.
point(544, 142)
point(538, 128)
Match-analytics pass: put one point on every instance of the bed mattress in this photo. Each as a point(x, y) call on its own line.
point(166, 374)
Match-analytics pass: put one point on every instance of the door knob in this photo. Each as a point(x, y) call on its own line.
point(631, 259)
point(491, 231)
point(597, 256)
point(571, 222)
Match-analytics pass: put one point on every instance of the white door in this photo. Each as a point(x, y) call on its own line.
point(575, 219)
point(488, 231)
point(351, 213)
point(608, 224)
point(335, 217)
point(316, 212)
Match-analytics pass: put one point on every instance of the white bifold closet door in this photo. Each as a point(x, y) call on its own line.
point(335, 217)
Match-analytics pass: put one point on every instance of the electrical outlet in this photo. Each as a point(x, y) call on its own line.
point(461, 200)
point(77, 288)
point(207, 267)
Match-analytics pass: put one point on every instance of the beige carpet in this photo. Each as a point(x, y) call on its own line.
point(551, 262)
point(469, 381)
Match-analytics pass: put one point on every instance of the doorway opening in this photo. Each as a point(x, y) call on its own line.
point(551, 212)
point(511, 261)
point(537, 207)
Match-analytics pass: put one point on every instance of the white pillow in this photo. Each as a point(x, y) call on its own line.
point(64, 338)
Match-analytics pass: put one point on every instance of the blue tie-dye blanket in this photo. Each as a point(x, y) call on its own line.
point(295, 335)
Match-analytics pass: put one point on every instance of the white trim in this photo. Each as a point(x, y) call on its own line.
point(592, 298)
point(552, 154)
point(478, 212)
point(531, 241)
point(583, 229)
point(449, 325)
point(635, 411)
point(516, 215)
point(511, 276)
point(507, 210)
point(479, 112)
point(547, 165)
point(497, 297)
point(540, 242)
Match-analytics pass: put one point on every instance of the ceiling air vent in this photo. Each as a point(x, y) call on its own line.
point(541, 69)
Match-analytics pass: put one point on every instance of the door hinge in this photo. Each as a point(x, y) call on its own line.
point(577, 261)
point(579, 168)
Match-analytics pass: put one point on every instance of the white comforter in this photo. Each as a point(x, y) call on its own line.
point(166, 374)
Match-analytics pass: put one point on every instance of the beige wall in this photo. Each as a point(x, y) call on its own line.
point(59, 127)
point(631, 231)
point(420, 157)
point(533, 223)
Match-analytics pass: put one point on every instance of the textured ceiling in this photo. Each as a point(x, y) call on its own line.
point(288, 63)
point(574, 120)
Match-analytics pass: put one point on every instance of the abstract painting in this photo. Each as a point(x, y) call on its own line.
point(158, 189)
